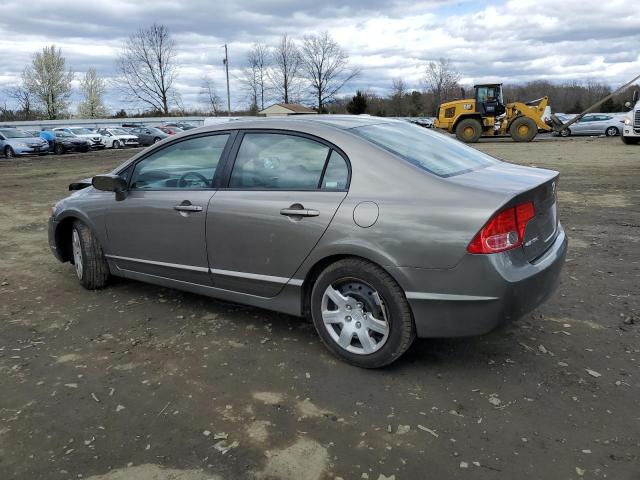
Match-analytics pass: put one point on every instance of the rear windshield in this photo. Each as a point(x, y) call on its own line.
point(434, 152)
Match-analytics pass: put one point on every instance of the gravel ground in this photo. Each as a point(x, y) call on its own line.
point(140, 382)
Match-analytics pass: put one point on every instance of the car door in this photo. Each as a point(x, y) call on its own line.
point(159, 227)
point(281, 192)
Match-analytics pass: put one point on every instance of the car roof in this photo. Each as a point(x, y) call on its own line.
point(341, 122)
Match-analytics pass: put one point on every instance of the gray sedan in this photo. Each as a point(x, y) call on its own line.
point(378, 230)
point(595, 124)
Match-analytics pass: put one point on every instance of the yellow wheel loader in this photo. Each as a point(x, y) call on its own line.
point(486, 115)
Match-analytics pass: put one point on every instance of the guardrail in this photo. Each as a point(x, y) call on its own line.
point(101, 122)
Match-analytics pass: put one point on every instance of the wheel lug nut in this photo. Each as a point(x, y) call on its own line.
point(347, 318)
point(358, 324)
point(348, 307)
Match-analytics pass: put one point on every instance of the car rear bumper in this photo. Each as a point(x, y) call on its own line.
point(482, 291)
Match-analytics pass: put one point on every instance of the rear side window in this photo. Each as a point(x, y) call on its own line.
point(336, 174)
point(278, 161)
point(431, 151)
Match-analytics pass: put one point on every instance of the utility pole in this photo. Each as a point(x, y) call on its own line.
point(226, 66)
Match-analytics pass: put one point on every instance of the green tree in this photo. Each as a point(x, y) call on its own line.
point(358, 104)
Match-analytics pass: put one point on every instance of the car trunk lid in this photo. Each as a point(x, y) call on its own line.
point(516, 185)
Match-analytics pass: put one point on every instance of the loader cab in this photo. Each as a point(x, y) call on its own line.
point(489, 100)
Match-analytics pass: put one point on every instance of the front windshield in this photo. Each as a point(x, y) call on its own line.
point(61, 134)
point(81, 131)
point(431, 151)
point(15, 133)
point(119, 131)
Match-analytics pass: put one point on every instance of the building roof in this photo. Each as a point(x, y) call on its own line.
point(292, 107)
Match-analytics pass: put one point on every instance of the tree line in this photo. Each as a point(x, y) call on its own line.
point(312, 70)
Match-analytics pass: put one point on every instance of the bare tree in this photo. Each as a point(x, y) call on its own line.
point(325, 67)
point(284, 75)
point(209, 97)
point(48, 81)
point(24, 99)
point(93, 88)
point(148, 67)
point(442, 80)
point(397, 100)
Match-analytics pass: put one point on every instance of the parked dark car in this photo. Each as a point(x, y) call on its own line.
point(66, 142)
point(180, 125)
point(148, 135)
point(377, 229)
point(170, 130)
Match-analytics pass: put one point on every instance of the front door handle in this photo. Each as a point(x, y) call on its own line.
point(299, 212)
point(187, 206)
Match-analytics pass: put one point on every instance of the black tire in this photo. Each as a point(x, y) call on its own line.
point(115, 145)
point(402, 330)
point(523, 129)
point(469, 130)
point(8, 152)
point(59, 149)
point(612, 132)
point(630, 140)
point(156, 139)
point(95, 270)
point(565, 133)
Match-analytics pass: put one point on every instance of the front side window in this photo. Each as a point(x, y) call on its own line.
point(189, 164)
point(279, 162)
point(431, 151)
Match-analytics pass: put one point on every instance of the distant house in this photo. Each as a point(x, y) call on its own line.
point(280, 109)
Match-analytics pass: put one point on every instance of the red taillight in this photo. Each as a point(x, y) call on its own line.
point(504, 231)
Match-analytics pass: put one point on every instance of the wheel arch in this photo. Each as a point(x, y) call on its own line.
point(316, 269)
point(62, 234)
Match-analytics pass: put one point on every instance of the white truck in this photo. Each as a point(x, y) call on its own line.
point(631, 123)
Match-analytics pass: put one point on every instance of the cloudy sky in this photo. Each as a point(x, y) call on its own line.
point(510, 41)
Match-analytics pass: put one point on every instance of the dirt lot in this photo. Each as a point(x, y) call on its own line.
point(140, 382)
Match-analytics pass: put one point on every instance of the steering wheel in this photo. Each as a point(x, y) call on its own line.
point(183, 182)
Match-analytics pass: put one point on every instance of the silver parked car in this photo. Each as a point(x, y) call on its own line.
point(595, 124)
point(377, 229)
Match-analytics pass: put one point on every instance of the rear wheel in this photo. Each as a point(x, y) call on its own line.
point(59, 149)
point(611, 132)
point(361, 313)
point(116, 144)
point(156, 139)
point(469, 130)
point(523, 129)
point(630, 140)
point(8, 152)
point(90, 264)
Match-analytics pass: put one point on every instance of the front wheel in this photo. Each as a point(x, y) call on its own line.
point(116, 144)
point(523, 129)
point(90, 264)
point(9, 153)
point(59, 149)
point(469, 130)
point(361, 314)
point(156, 139)
point(611, 132)
point(565, 133)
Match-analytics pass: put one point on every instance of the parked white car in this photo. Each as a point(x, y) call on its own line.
point(118, 138)
point(96, 140)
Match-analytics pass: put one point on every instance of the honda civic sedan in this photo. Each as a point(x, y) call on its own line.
point(378, 230)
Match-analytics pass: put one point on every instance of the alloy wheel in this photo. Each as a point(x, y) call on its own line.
point(77, 253)
point(8, 152)
point(355, 316)
point(611, 131)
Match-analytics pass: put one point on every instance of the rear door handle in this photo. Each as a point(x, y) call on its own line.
point(299, 212)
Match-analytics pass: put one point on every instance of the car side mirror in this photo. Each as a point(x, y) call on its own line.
point(109, 183)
